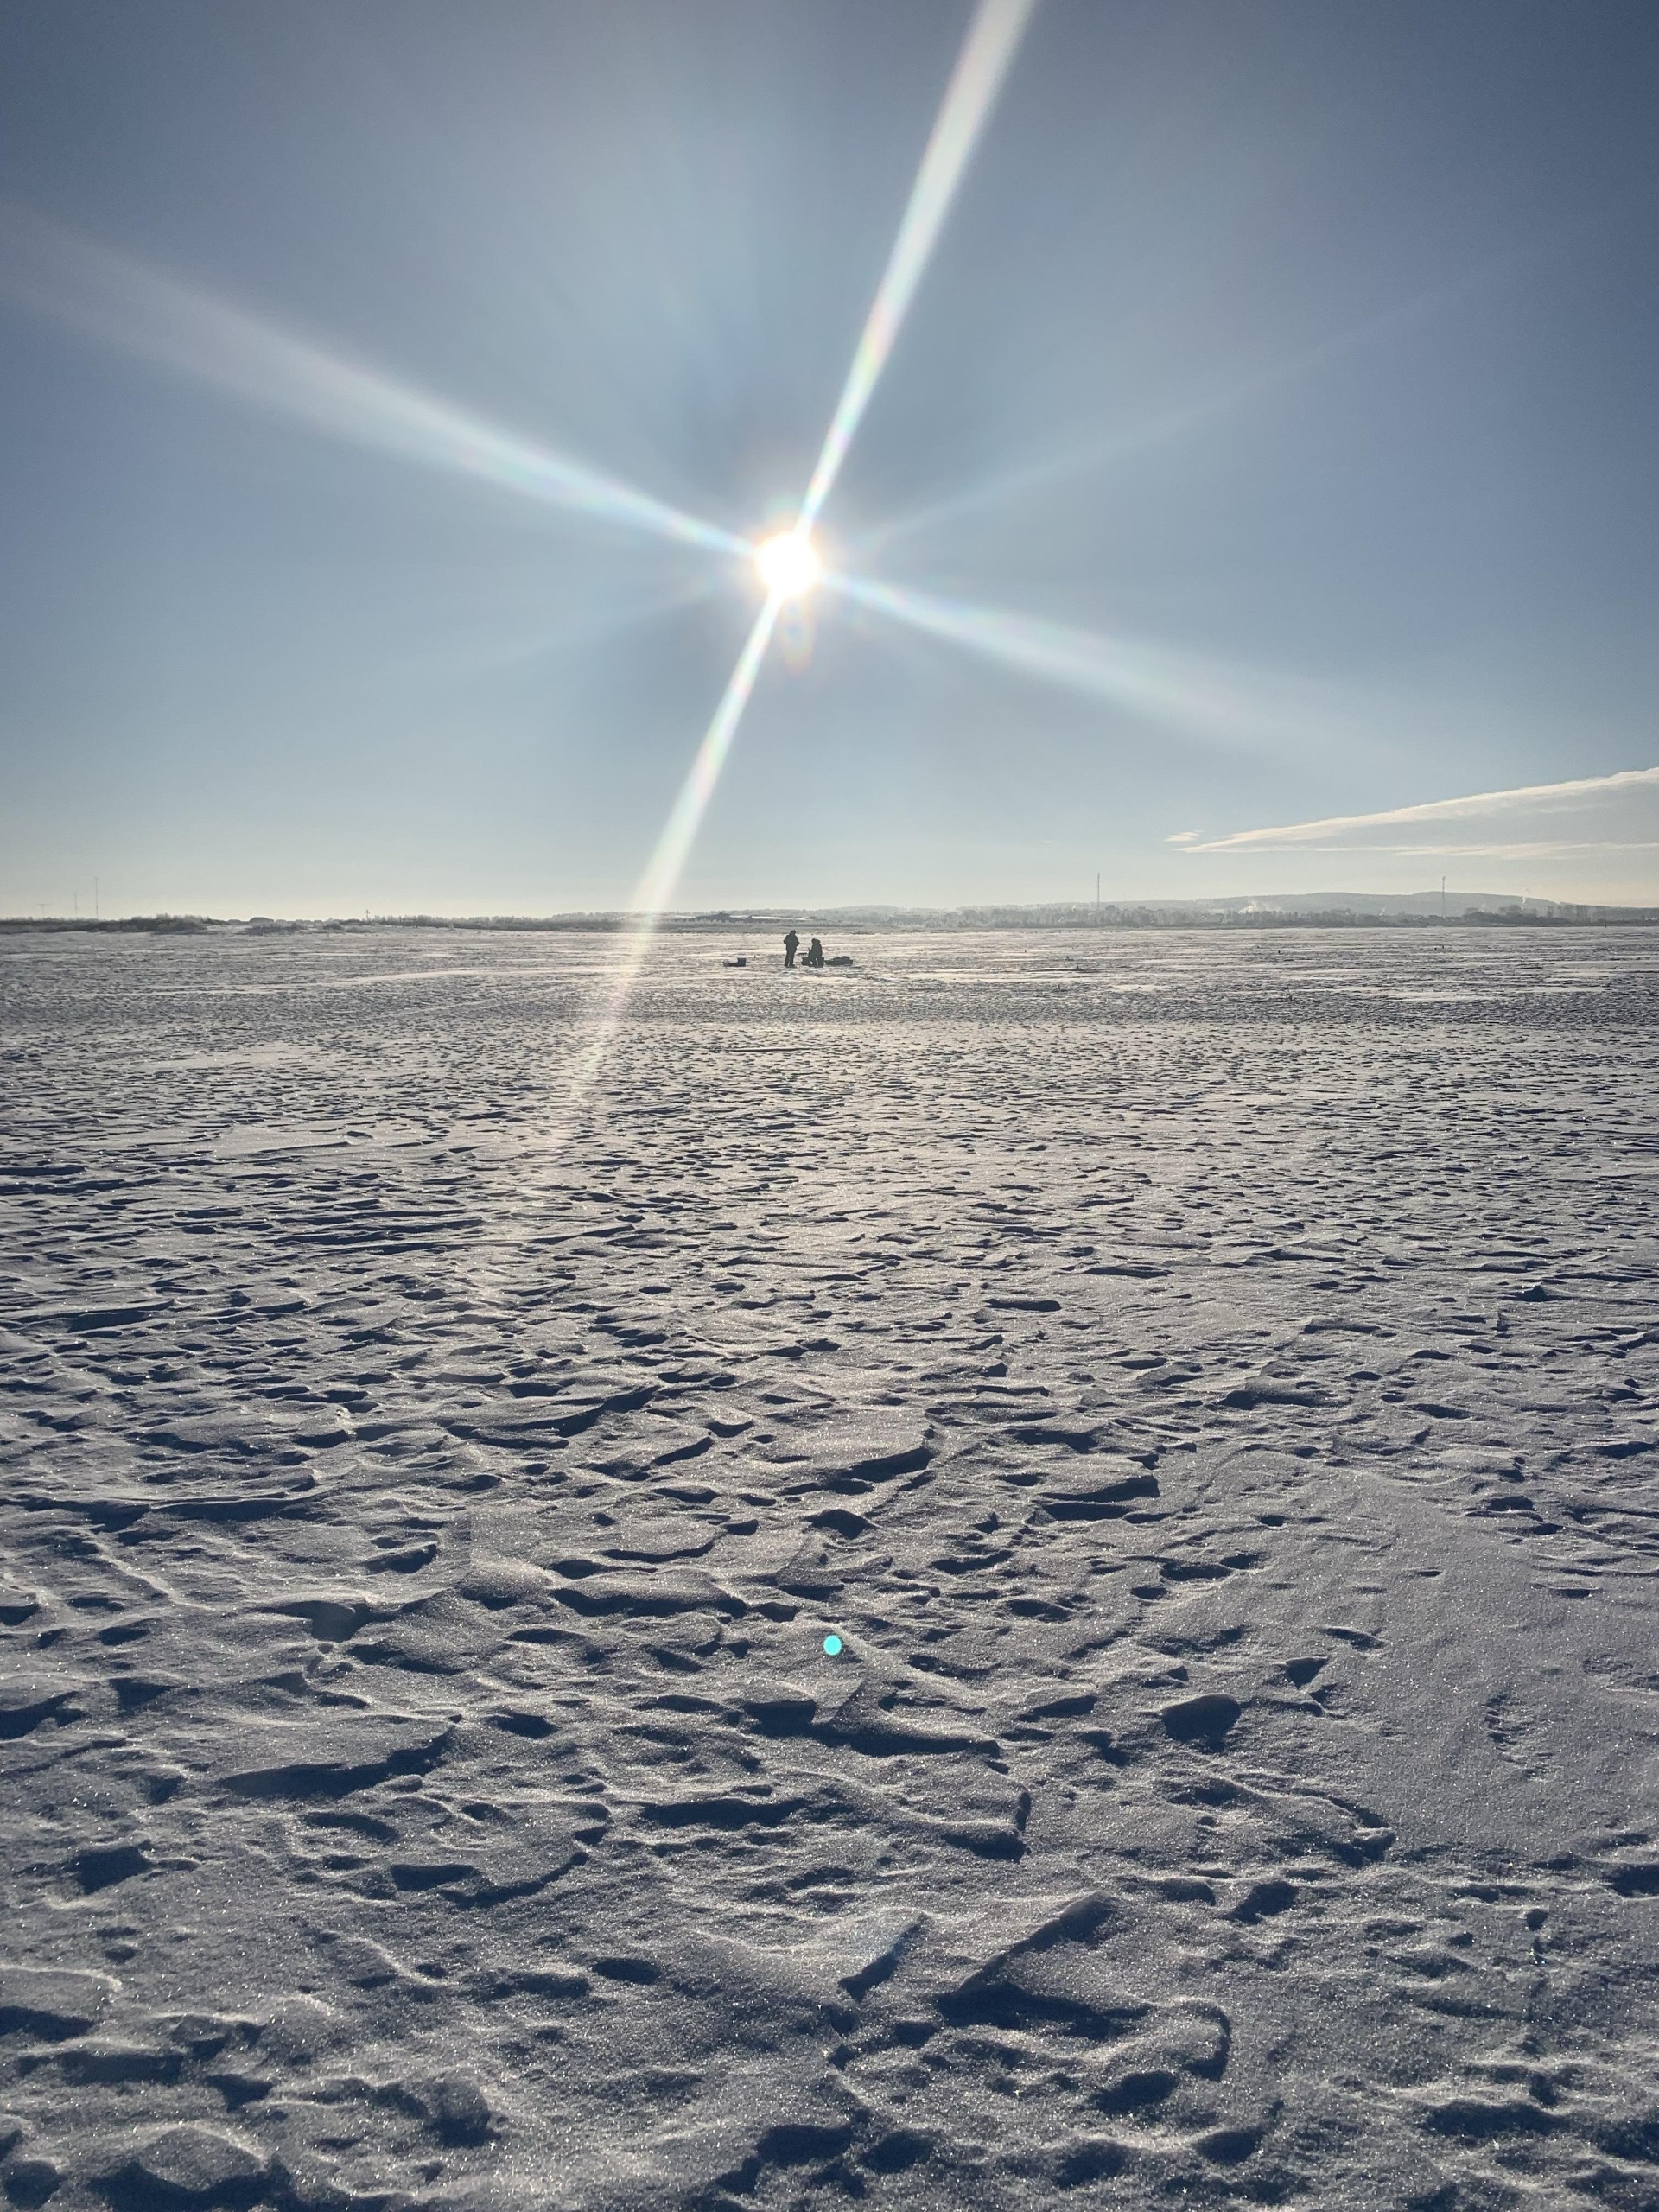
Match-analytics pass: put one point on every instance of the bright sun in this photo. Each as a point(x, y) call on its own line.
point(789, 564)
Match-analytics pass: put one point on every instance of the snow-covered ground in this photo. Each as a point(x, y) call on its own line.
point(1207, 1383)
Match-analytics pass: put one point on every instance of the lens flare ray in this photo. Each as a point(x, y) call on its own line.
point(993, 40)
point(790, 565)
point(122, 303)
point(663, 871)
point(1203, 408)
point(1222, 701)
point(656, 885)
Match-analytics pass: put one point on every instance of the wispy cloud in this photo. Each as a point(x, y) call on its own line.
point(1357, 832)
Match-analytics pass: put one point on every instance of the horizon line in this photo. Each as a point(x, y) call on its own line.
point(620, 917)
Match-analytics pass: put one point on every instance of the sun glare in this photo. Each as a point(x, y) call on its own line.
point(788, 564)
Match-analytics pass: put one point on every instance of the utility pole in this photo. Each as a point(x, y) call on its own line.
point(1097, 898)
point(94, 898)
point(1442, 898)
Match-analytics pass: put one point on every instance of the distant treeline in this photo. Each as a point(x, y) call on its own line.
point(132, 925)
point(1535, 915)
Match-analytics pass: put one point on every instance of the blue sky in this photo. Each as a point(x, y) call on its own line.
point(1270, 445)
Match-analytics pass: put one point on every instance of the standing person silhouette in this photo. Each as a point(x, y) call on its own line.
point(792, 946)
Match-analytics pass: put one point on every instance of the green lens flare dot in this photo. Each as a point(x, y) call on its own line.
point(832, 1645)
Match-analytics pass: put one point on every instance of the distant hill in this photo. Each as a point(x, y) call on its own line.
point(1323, 908)
point(1409, 902)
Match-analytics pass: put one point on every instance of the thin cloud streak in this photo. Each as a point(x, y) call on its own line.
point(1545, 851)
point(993, 39)
point(108, 296)
point(1294, 834)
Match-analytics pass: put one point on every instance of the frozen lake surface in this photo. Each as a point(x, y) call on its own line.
point(1210, 1383)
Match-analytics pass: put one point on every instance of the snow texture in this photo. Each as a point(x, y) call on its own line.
point(1209, 1385)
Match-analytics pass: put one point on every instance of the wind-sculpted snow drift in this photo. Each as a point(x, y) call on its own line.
point(1207, 1384)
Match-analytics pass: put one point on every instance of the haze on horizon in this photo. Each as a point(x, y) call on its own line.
point(1260, 495)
